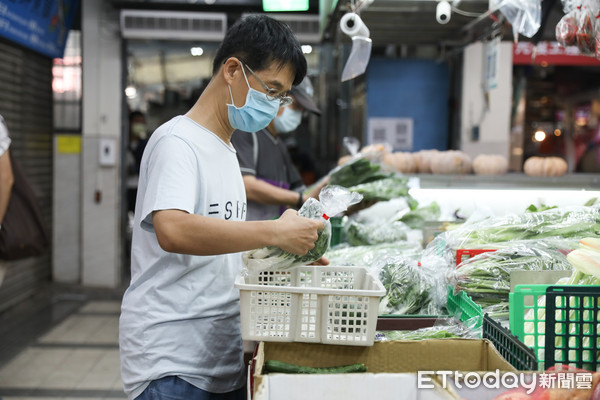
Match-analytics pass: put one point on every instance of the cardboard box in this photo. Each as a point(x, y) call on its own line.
point(392, 367)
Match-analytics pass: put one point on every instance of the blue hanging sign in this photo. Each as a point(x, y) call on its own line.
point(41, 25)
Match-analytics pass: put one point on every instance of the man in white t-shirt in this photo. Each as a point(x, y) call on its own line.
point(6, 180)
point(179, 331)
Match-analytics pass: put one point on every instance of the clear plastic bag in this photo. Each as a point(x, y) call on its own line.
point(443, 328)
point(569, 223)
point(360, 234)
point(372, 255)
point(586, 31)
point(486, 277)
point(566, 29)
point(580, 26)
point(332, 201)
point(408, 289)
point(525, 16)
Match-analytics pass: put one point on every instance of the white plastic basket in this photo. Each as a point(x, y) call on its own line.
point(318, 304)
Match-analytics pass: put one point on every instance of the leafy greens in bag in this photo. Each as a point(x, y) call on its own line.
point(333, 200)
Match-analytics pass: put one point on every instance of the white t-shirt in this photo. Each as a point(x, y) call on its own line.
point(4, 139)
point(180, 314)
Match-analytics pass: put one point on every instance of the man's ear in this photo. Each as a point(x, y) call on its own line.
point(230, 69)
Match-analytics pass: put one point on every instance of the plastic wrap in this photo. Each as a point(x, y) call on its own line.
point(408, 290)
point(586, 30)
point(332, 201)
point(566, 29)
point(580, 26)
point(360, 234)
point(382, 211)
point(416, 218)
point(564, 222)
point(525, 16)
point(442, 329)
point(371, 256)
point(486, 277)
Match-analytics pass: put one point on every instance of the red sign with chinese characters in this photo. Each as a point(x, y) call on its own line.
point(550, 53)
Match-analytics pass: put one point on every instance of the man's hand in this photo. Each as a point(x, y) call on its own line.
point(321, 261)
point(297, 234)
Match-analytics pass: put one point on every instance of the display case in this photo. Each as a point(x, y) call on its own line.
point(465, 195)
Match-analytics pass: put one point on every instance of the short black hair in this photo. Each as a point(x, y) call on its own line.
point(260, 40)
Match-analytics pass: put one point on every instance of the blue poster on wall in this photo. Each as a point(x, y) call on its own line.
point(41, 25)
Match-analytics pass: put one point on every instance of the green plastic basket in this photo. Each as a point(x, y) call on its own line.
point(560, 323)
point(527, 310)
point(337, 230)
point(463, 303)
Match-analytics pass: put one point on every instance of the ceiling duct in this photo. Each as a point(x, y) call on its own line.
point(173, 25)
point(306, 27)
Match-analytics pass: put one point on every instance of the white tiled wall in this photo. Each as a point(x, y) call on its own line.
point(102, 105)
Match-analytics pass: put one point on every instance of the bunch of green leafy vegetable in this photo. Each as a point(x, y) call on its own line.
point(407, 290)
point(356, 171)
point(565, 222)
point(272, 257)
point(333, 199)
point(416, 218)
point(360, 234)
point(418, 334)
point(486, 277)
point(386, 189)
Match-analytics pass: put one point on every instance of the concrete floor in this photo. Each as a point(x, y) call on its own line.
point(62, 344)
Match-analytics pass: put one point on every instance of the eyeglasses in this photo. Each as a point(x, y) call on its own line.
point(272, 94)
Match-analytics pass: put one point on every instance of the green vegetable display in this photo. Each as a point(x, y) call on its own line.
point(407, 290)
point(486, 277)
point(416, 218)
point(360, 234)
point(385, 189)
point(419, 334)
point(272, 366)
point(369, 256)
point(566, 223)
point(354, 172)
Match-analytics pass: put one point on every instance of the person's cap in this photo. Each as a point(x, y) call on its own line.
point(303, 94)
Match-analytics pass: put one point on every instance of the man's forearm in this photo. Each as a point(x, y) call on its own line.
point(262, 192)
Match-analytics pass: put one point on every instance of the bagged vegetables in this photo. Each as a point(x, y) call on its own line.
point(372, 255)
point(375, 232)
point(563, 222)
point(486, 277)
point(416, 218)
point(442, 329)
point(566, 29)
point(408, 290)
point(332, 201)
point(580, 27)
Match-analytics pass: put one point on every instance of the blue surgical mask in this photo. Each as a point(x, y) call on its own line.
point(255, 114)
point(288, 121)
